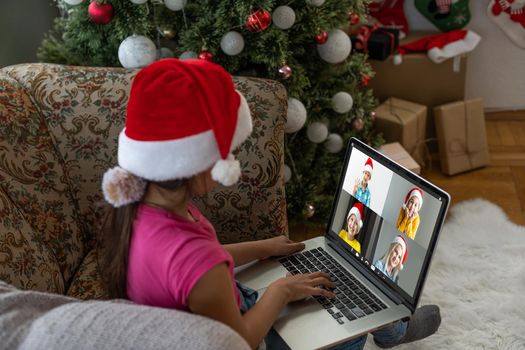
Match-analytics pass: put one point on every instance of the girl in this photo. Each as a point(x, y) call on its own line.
point(183, 120)
point(408, 219)
point(354, 222)
point(393, 260)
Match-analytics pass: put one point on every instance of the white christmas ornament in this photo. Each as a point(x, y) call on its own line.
point(283, 17)
point(342, 102)
point(73, 2)
point(136, 51)
point(188, 55)
point(164, 52)
point(287, 173)
point(397, 59)
point(175, 5)
point(337, 48)
point(317, 132)
point(334, 143)
point(139, 2)
point(315, 2)
point(232, 43)
point(296, 116)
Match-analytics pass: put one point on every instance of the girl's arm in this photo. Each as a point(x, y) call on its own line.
point(213, 297)
point(246, 252)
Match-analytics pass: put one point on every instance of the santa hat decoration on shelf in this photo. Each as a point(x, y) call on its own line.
point(357, 210)
point(441, 47)
point(165, 140)
point(401, 241)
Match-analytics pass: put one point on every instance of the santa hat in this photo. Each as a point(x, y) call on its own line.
point(357, 210)
point(401, 241)
point(369, 166)
point(415, 192)
point(441, 46)
point(183, 117)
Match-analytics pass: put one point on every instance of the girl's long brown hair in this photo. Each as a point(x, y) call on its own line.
point(115, 240)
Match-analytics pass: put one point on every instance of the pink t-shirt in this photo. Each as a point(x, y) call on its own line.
point(168, 254)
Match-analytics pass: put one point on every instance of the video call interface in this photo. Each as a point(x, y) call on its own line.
point(386, 220)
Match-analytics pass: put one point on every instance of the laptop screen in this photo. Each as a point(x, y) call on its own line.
point(387, 219)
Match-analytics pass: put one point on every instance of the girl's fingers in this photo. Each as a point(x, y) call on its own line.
point(322, 281)
point(320, 292)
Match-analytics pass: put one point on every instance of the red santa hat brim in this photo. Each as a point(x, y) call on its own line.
point(455, 48)
point(180, 158)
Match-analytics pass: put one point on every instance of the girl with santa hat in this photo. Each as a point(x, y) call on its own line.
point(408, 219)
point(354, 222)
point(393, 260)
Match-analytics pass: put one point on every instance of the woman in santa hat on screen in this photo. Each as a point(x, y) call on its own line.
point(408, 219)
point(393, 260)
point(354, 222)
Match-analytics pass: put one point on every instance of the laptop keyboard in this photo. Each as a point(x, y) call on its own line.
point(353, 299)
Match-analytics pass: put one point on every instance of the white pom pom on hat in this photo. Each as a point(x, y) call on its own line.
point(183, 117)
point(120, 187)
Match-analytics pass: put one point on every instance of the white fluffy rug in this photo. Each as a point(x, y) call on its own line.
point(478, 279)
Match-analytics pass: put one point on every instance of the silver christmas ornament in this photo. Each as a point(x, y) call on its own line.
point(317, 132)
point(296, 116)
point(283, 17)
point(164, 52)
point(73, 2)
point(187, 55)
point(334, 143)
point(342, 102)
point(136, 51)
point(337, 48)
point(232, 43)
point(139, 2)
point(315, 2)
point(287, 173)
point(175, 5)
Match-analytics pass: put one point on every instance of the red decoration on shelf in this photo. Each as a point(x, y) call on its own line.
point(259, 21)
point(100, 13)
point(207, 56)
point(321, 38)
point(285, 72)
point(354, 19)
point(365, 79)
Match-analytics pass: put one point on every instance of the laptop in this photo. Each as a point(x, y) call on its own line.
point(380, 271)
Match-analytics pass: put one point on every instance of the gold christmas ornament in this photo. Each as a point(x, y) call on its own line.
point(309, 210)
point(167, 33)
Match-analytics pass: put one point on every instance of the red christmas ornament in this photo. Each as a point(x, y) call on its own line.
point(365, 79)
point(285, 72)
point(259, 21)
point(354, 18)
point(207, 56)
point(321, 38)
point(100, 13)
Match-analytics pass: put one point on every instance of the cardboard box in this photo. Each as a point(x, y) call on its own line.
point(422, 81)
point(460, 128)
point(397, 153)
point(404, 122)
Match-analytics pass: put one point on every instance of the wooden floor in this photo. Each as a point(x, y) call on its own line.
point(502, 182)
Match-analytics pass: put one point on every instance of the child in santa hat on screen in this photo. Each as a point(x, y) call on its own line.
point(408, 219)
point(361, 186)
point(354, 222)
point(394, 258)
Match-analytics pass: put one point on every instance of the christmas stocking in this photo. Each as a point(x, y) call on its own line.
point(446, 15)
point(509, 15)
point(391, 14)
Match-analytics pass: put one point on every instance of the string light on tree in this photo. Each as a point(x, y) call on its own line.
point(321, 38)
point(188, 55)
point(342, 102)
point(287, 173)
point(258, 21)
point(317, 132)
point(337, 48)
point(136, 51)
point(316, 3)
point(175, 5)
point(285, 72)
point(73, 2)
point(100, 13)
point(334, 143)
point(232, 43)
point(283, 17)
point(296, 116)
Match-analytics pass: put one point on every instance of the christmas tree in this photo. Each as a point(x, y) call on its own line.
point(301, 43)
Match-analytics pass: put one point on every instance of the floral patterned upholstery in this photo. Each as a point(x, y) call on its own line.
point(59, 128)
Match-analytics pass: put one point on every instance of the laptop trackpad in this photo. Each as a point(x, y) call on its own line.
point(259, 275)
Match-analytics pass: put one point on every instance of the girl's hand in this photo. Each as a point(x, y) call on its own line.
point(281, 245)
point(299, 287)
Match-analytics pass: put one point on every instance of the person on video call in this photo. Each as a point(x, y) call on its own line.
point(354, 222)
point(361, 187)
point(393, 260)
point(408, 219)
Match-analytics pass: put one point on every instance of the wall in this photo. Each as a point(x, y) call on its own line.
point(23, 24)
point(495, 69)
